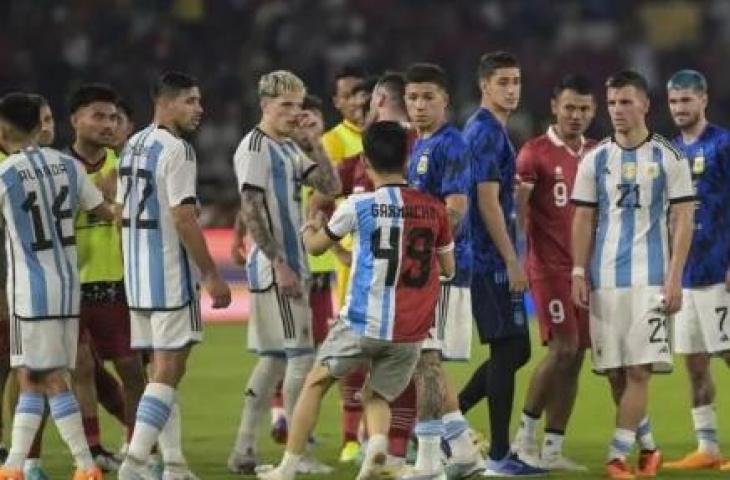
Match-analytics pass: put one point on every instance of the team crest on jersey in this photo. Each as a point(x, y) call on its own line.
point(422, 165)
point(698, 165)
point(559, 173)
point(628, 170)
point(652, 170)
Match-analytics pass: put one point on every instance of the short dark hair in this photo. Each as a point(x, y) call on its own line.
point(172, 83)
point(385, 145)
point(39, 99)
point(688, 79)
point(395, 84)
point(312, 102)
point(427, 73)
point(21, 111)
point(490, 62)
point(348, 71)
point(628, 78)
point(580, 84)
point(92, 92)
point(125, 106)
point(366, 86)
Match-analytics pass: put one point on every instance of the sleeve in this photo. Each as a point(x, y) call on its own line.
point(89, 194)
point(180, 174)
point(253, 168)
point(346, 171)
point(444, 238)
point(679, 179)
point(486, 151)
point(527, 165)
point(584, 189)
point(457, 171)
point(343, 221)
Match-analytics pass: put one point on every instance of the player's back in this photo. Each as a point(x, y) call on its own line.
point(709, 161)
point(394, 283)
point(40, 190)
point(156, 173)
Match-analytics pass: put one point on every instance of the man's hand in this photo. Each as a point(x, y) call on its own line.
point(672, 291)
point(579, 291)
point(217, 289)
point(312, 127)
point(287, 279)
point(517, 277)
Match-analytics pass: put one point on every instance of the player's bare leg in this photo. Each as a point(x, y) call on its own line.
point(377, 416)
point(131, 372)
point(702, 391)
point(431, 390)
point(304, 419)
point(552, 389)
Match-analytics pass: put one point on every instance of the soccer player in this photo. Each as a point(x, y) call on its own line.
point(271, 168)
point(104, 324)
point(700, 326)
point(402, 240)
point(498, 280)
point(164, 249)
point(125, 125)
point(439, 164)
point(344, 140)
point(546, 167)
point(40, 192)
point(624, 191)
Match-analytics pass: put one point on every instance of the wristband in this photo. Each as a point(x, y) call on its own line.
point(578, 272)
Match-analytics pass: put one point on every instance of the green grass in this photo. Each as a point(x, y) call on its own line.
point(211, 403)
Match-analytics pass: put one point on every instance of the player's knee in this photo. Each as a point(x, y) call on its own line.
point(638, 374)
point(428, 360)
point(84, 371)
point(131, 373)
point(564, 355)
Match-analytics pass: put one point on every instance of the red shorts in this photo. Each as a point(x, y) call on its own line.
point(556, 313)
point(107, 326)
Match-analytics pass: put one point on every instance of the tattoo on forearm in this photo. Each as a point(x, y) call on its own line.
point(252, 212)
point(455, 218)
point(324, 178)
point(429, 386)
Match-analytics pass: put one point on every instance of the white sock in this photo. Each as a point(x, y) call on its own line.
point(528, 427)
point(644, 435)
point(376, 444)
point(260, 388)
point(170, 438)
point(429, 435)
point(621, 444)
point(28, 415)
point(552, 444)
point(297, 368)
point(152, 415)
point(66, 415)
point(289, 463)
point(705, 422)
point(456, 433)
point(276, 414)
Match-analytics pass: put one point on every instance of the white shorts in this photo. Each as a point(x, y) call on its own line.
point(701, 326)
point(627, 329)
point(166, 329)
point(44, 344)
point(279, 324)
point(451, 332)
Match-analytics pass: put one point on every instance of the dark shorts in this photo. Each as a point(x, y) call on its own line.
point(107, 327)
point(497, 313)
point(556, 313)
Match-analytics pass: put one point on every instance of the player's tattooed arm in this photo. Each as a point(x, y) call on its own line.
point(252, 214)
point(323, 176)
point(456, 206)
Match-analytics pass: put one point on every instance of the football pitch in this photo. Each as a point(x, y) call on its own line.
point(211, 398)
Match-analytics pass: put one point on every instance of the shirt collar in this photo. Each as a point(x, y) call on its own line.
point(558, 142)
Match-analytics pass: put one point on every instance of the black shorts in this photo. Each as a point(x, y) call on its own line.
point(497, 312)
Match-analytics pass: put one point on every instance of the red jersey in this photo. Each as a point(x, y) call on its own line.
point(394, 284)
point(549, 166)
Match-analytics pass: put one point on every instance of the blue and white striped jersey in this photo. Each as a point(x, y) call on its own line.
point(157, 172)
point(632, 191)
point(277, 169)
point(41, 190)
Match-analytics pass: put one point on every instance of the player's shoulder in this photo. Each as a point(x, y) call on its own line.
point(599, 148)
point(540, 143)
point(254, 142)
point(668, 149)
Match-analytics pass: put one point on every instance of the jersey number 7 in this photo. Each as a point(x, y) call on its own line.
point(146, 178)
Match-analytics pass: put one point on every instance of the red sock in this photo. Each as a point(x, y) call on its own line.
point(110, 394)
point(350, 388)
point(402, 421)
point(91, 431)
point(277, 401)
